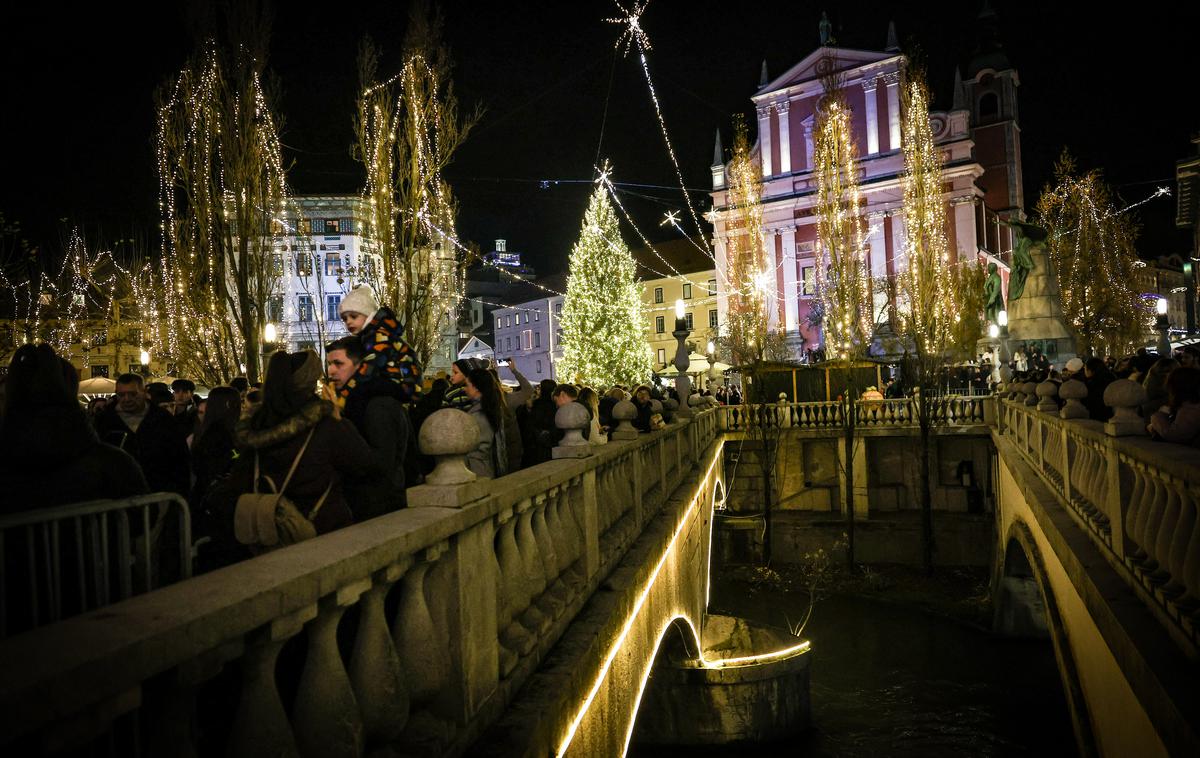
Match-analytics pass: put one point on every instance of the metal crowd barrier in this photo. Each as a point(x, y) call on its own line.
point(65, 560)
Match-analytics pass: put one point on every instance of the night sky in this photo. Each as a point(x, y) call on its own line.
point(1117, 88)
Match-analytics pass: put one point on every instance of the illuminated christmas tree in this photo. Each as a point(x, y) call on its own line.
point(602, 320)
point(748, 278)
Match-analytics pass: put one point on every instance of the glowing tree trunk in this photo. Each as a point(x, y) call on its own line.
point(1091, 247)
point(843, 272)
point(222, 189)
point(603, 342)
point(407, 130)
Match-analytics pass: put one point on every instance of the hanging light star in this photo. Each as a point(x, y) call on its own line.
point(670, 218)
point(633, 35)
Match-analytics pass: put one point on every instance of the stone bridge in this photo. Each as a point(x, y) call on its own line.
point(523, 618)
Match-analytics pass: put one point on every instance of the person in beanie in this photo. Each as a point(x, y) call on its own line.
point(388, 356)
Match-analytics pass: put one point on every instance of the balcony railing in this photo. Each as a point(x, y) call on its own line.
point(950, 410)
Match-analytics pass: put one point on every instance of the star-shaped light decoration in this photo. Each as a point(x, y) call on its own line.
point(632, 21)
point(670, 218)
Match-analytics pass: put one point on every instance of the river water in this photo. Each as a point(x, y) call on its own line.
point(893, 680)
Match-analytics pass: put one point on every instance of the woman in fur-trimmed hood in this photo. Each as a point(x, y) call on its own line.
point(277, 431)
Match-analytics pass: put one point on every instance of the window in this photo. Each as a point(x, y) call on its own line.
point(100, 369)
point(275, 308)
point(989, 106)
point(558, 309)
point(304, 264)
point(527, 340)
point(662, 356)
point(303, 226)
point(508, 344)
point(276, 264)
point(333, 264)
point(712, 319)
point(537, 315)
point(687, 292)
point(539, 367)
point(526, 317)
point(658, 294)
point(99, 337)
point(712, 286)
point(537, 339)
point(333, 226)
point(688, 317)
point(808, 281)
point(134, 336)
point(659, 325)
point(499, 322)
point(304, 308)
point(508, 320)
point(331, 307)
point(317, 225)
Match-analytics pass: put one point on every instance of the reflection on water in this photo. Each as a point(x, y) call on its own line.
point(891, 680)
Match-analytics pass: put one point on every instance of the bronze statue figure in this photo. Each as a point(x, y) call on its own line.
point(1022, 261)
point(993, 295)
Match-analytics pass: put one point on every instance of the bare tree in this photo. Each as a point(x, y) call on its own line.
point(407, 130)
point(222, 190)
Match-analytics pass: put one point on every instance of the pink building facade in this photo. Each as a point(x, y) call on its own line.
point(982, 180)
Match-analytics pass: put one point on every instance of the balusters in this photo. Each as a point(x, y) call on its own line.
point(1162, 536)
point(532, 619)
point(1149, 532)
point(326, 718)
point(1181, 535)
point(1190, 576)
point(260, 726)
point(1135, 497)
point(376, 670)
point(554, 598)
point(417, 635)
point(514, 598)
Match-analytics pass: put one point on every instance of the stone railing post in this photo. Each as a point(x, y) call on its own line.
point(1047, 393)
point(448, 435)
point(624, 412)
point(572, 418)
point(1125, 397)
point(590, 514)
point(1029, 393)
point(1073, 391)
point(1118, 494)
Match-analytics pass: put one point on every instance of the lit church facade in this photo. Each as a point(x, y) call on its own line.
point(980, 140)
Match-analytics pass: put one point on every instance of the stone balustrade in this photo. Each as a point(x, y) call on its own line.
point(409, 632)
point(1136, 498)
point(952, 410)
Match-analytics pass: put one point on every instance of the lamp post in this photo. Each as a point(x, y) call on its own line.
point(683, 384)
point(712, 363)
point(1163, 326)
point(144, 359)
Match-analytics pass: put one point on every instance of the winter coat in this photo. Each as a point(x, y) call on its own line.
point(51, 456)
point(1094, 402)
point(388, 357)
point(157, 446)
point(335, 453)
point(213, 456)
point(482, 460)
point(1182, 426)
point(514, 448)
point(540, 433)
point(376, 409)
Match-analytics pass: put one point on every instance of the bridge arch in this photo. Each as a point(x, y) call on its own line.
point(1021, 569)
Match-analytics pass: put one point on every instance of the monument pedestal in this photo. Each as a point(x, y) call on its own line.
point(1035, 319)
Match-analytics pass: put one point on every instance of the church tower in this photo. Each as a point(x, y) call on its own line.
point(990, 93)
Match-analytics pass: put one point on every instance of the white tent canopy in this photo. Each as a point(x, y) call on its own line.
point(97, 385)
point(697, 364)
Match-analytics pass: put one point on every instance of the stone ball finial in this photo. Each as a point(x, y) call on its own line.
point(1073, 391)
point(448, 435)
point(696, 399)
point(1125, 397)
point(624, 412)
point(1029, 392)
point(1047, 393)
point(572, 418)
point(670, 404)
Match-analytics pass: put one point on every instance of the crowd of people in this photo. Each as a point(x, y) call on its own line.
point(1172, 385)
point(338, 441)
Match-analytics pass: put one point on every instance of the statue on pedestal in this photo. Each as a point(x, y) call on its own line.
point(993, 295)
point(1022, 261)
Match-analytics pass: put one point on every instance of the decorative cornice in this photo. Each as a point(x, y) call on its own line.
point(763, 111)
point(782, 107)
point(891, 78)
point(869, 85)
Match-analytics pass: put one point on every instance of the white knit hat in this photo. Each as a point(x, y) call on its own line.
point(361, 299)
point(1075, 365)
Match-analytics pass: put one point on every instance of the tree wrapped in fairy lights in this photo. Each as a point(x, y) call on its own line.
point(843, 283)
point(939, 300)
point(747, 277)
point(603, 341)
point(407, 130)
point(222, 192)
point(843, 273)
point(1091, 248)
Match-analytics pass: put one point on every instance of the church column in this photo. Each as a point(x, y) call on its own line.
point(772, 294)
point(808, 143)
point(963, 209)
point(791, 311)
point(893, 104)
point(899, 255)
point(785, 138)
point(722, 274)
point(764, 139)
point(868, 86)
point(878, 263)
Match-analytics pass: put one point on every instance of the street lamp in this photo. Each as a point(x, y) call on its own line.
point(683, 385)
point(270, 334)
point(144, 358)
point(1163, 326)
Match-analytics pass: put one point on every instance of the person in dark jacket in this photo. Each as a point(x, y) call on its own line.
point(540, 434)
point(149, 434)
point(376, 408)
point(1097, 378)
point(275, 434)
point(49, 454)
point(213, 451)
